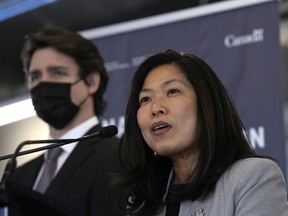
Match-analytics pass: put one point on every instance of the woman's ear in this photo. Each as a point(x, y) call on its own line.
point(93, 82)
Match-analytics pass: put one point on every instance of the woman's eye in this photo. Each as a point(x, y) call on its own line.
point(173, 91)
point(144, 100)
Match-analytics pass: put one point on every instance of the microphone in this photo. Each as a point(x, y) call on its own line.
point(104, 132)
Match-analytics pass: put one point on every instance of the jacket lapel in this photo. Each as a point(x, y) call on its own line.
point(27, 173)
point(81, 152)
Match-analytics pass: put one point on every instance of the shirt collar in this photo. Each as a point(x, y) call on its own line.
point(77, 132)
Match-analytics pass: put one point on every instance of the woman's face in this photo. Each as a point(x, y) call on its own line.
point(167, 114)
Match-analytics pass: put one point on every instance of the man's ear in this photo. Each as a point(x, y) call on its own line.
point(93, 82)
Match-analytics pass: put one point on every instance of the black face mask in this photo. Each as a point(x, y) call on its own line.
point(52, 103)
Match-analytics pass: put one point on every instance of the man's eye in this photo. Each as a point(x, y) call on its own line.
point(34, 77)
point(59, 73)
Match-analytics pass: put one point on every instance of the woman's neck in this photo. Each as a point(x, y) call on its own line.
point(183, 168)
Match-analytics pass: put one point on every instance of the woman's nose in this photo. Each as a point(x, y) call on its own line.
point(158, 108)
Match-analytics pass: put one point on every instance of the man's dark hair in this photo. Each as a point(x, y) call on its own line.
point(82, 50)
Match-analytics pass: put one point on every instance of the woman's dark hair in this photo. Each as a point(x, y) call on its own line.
point(83, 51)
point(220, 137)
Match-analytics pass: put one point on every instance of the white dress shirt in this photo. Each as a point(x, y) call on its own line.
point(76, 132)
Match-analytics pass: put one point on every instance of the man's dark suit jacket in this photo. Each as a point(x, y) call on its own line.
point(83, 181)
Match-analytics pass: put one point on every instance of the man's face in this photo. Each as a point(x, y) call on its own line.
point(50, 65)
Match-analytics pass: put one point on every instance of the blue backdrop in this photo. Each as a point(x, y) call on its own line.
point(239, 39)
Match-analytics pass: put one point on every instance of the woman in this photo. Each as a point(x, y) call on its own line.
point(185, 151)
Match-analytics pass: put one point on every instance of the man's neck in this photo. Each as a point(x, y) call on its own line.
point(58, 133)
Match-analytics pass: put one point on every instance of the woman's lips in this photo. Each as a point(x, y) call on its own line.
point(159, 128)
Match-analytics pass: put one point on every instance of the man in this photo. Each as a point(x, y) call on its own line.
point(67, 80)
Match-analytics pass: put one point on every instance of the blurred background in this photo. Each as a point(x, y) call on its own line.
point(21, 17)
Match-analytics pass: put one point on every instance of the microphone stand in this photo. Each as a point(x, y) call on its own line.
point(28, 142)
point(103, 132)
point(55, 143)
point(12, 163)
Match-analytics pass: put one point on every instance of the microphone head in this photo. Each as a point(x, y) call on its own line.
point(109, 131)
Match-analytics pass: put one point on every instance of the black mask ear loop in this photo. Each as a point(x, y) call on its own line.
point(83, 100)
point(87, 94)
point(76, 81)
